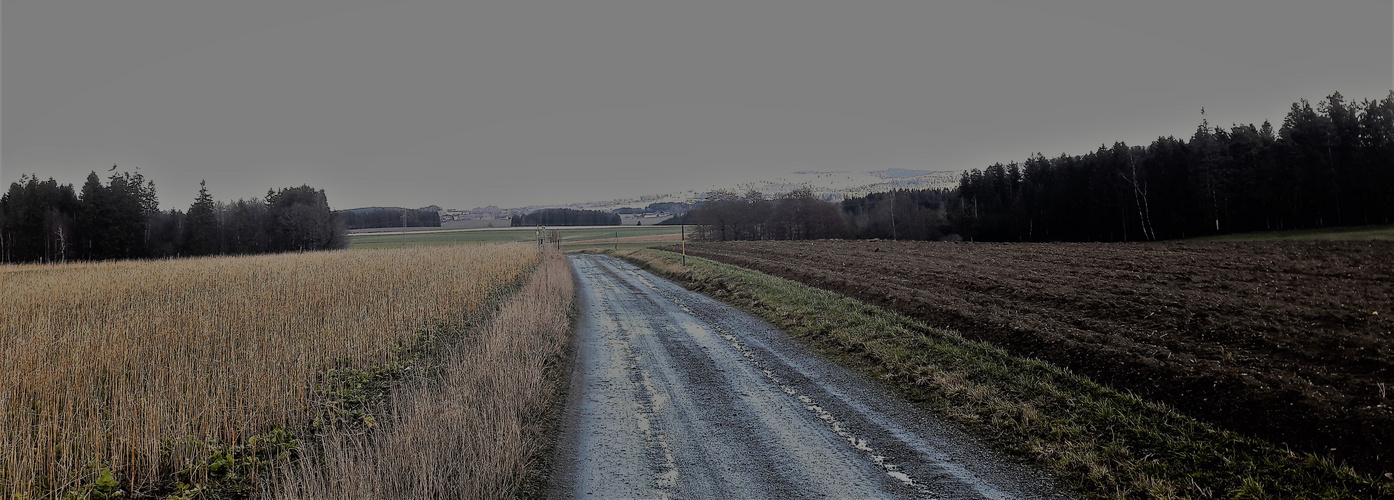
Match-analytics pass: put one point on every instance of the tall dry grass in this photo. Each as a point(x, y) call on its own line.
point(125, 364)
point(470, 433)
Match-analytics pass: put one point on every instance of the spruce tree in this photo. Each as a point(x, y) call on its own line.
point(201, 225)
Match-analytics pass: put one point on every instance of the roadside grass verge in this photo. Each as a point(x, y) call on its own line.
point(480, 422)
point(1097, 441)
point(1347, 233)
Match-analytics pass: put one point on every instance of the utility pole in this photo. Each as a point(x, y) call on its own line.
point(682, 235)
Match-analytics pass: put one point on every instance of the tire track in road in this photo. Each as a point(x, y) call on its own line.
point(677, 395)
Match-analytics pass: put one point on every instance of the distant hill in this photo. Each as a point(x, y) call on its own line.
point(900, 173)
point(834, 186)
point(828, 185)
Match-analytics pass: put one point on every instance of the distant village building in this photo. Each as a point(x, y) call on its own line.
point(449, 214)
point(484, 212)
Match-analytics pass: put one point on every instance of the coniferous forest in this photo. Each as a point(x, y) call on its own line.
point(567, 217)
point(44, 221)
point(1332, 165)
point(1323, 166)
point(374, 217)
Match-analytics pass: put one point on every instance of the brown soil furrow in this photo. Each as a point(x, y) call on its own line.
point(1275, 339)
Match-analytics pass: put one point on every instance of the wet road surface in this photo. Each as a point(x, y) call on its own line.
point(676, 395)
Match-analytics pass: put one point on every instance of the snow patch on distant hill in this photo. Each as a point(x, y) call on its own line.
point(900, 173)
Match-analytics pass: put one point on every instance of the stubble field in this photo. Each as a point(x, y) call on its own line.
point(133, 376)
point(1279, 340)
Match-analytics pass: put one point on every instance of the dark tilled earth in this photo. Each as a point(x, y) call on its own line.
point(1275, 339)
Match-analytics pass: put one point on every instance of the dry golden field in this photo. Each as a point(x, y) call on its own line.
point(475, 431)
point(133, 367)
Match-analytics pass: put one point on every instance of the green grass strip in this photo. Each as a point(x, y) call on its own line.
point(1345, 233)
point(590, 237)
point(1097, 441)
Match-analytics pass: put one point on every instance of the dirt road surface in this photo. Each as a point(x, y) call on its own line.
point(675, 395)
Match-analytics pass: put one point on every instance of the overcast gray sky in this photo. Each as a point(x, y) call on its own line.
point(469, 103)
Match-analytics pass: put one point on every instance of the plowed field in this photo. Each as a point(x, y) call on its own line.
point(1291, 341)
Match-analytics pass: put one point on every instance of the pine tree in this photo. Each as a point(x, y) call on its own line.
point(93, 223)
point(201, 225)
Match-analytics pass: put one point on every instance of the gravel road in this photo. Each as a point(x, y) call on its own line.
point(676, 395)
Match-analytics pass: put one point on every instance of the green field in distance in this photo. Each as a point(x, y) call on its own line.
point(1347, 233)
point(572, 238)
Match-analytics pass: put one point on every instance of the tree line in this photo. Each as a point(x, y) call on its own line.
point(677, 208)
point(1328, 166)
point(798, 215)
point(44, 221)
point(567, 217)
point(361, 218)
point(1331, 165)
point(901, 214)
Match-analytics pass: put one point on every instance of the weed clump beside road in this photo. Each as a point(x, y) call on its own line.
point(1100, 442)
